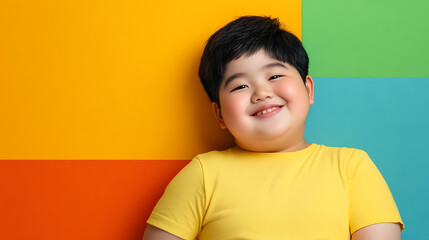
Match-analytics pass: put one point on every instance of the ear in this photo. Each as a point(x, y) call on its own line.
point(218, 115)
point(309, 84)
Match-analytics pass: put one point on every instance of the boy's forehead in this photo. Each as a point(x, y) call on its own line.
point(252, 63)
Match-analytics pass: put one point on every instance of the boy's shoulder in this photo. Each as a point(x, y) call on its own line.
point(342, 150)
point(341, 153)
point(215, 154)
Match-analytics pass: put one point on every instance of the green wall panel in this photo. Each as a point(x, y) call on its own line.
point(367, 38)
point(388, 118)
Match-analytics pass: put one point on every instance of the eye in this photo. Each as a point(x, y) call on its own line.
point(275, 77)
point(239, 87)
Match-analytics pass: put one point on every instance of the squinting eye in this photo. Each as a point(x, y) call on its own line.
point(239, 87)
point(275, 77)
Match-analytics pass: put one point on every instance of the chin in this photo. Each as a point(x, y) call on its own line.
point(271, 135)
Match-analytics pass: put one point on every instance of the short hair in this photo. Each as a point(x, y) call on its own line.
point(247, 35)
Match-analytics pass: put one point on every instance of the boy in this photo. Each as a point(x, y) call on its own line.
point(272, 184)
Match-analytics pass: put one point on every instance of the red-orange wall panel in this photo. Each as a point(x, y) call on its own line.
point(74, 199)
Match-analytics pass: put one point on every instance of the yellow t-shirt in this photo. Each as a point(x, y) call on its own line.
point(319, 192)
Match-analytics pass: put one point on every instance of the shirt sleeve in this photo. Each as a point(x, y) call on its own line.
point(371, 201)
point(180, 210)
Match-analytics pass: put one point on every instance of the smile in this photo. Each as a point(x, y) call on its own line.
point(266, 111)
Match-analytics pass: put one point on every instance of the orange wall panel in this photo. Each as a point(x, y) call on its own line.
point(112, 79)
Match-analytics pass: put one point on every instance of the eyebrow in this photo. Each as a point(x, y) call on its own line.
point(237, 75)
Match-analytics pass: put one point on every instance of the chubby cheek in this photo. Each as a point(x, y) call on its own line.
point(233, 111)
point(296, 96)
point(288, 90)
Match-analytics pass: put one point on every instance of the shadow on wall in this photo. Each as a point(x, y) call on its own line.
point(207, 129)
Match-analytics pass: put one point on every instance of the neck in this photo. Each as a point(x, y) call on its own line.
point(268, 147)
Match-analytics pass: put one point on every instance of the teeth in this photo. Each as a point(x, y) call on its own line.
point(266, 111)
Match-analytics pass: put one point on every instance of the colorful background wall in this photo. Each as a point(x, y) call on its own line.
point(101, 105)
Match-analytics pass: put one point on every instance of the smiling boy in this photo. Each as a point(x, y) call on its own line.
point(272, 184)
point(264, 104)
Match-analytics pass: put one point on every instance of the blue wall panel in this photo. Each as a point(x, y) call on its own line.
point(389, 119)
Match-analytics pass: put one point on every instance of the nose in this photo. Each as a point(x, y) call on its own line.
point(262, 93)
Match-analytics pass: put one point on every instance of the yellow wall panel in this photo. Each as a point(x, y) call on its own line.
point(112, 79)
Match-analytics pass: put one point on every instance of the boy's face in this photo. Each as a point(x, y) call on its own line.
point(264, 103)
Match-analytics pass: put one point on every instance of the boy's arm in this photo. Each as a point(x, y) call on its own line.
point(379, 231)
point(154, 233)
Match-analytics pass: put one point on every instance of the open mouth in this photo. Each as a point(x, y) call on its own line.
point(266, 111)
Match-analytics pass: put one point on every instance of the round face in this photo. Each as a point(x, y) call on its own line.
point(264, 103)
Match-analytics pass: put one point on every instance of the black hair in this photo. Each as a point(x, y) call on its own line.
point(247, 35)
